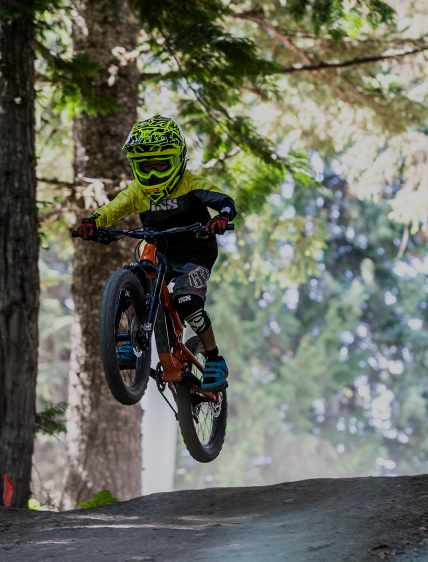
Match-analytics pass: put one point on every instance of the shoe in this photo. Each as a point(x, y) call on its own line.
point(216, 373)
point(125, 356)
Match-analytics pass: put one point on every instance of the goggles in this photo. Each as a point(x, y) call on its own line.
point(160, 168)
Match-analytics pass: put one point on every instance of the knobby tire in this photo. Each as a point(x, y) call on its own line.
point(122, 280)
point(186, 397)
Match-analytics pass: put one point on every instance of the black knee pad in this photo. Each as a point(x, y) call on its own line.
point(190, 308)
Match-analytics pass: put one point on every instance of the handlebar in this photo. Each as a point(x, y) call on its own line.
point(111, 235)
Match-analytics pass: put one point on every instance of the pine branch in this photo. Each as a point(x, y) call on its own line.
point(144, 76)
point(366, 96)
point(50, 421)
point(216, 161)
point(82, 180)
point(60, 208)
point(72, 81)
point(257, 16)
point(284, 36)
point(55, 181)
point(81, 183)
point(351, 62)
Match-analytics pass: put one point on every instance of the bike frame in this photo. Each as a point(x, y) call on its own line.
point(175, 359)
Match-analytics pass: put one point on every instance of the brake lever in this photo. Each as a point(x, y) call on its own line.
point(107, 241)
point(103, 236)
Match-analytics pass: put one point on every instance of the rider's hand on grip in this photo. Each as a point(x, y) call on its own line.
point(217, 225)
point(88, 229)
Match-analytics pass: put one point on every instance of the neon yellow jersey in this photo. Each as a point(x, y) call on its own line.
point(186, 205)
point(133, 199)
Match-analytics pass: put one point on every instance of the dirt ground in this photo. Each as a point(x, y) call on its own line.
point(331, 520)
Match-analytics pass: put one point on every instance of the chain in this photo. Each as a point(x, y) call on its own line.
point(162, 386)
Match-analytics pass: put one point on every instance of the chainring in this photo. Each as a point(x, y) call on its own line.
point(159, 382)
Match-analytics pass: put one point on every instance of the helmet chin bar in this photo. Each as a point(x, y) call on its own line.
point(147, 183)
point(161, 191)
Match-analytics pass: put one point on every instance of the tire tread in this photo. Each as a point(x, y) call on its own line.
point(123, 394)
point(199, 452)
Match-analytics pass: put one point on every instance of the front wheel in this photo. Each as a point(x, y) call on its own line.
point(123, 312)
point(202, 423)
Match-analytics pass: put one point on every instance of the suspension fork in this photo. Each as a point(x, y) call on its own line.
point(122, 305)
point(153, 302)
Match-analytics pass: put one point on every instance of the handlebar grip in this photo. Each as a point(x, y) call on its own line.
point(230, 227)
point(75, 234)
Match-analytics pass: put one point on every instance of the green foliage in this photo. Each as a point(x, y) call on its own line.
point(72, 81)
point(71, 76)
point(36, 505)
point(194, 36)
point(215, 64)
point(331, 14)
point(29, 9)
point(265, 257)
point(327, 378)
point(102, 498)
point(250, 130)
point(251, 180)
point(399, 167)
point(55, 318)
point(50, 421)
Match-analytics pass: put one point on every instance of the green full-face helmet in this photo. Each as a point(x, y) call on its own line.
point(157, 139)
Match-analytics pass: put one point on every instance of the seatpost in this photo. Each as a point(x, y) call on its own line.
point(154, 301)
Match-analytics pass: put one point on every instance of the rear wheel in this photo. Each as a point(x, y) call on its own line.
point(202, 423)
point(123, 312)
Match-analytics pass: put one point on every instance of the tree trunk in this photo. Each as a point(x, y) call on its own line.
point(19, 249)
point(104, 437)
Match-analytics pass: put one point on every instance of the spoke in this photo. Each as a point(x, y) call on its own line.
point(204, 429)
point(122, 336)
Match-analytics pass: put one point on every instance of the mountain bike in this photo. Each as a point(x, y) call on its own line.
point(136, 304)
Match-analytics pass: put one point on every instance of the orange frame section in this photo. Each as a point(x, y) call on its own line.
point(149, 254)
point(173, 363)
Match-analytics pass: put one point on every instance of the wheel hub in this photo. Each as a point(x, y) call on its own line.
point(135, 328)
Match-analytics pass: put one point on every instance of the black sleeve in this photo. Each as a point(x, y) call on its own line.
point(217, 200)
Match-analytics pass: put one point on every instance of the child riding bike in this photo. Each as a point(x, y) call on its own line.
point(167, 196)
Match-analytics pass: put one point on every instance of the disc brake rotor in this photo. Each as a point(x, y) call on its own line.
point(216, 408)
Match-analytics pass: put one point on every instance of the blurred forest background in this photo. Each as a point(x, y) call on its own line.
point(319, 298)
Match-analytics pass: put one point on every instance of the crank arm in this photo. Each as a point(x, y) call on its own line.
point(187, 376)
point(195, 383)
